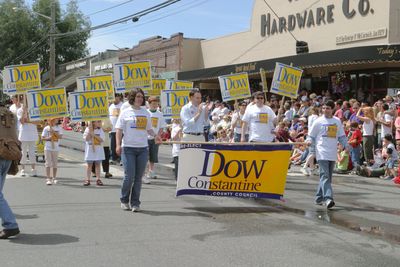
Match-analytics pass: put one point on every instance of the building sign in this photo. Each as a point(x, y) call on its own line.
point(76, 65)
point(233, 170)
point(286, 80)
point(313, 17)
point(361, 36)
point(234, 86)
point(47, 103)
point(20, 78)
point(107, 66)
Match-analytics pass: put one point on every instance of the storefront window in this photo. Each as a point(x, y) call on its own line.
point(394, 80)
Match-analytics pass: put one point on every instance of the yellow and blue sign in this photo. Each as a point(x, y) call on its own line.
point(20, 78)
point(172, 102)
point(130, 75)
point(179, 85)
point(88, 105)
point(234, 86)
point(286, 81)
point(157, 86)
point(233, 170)
point(97, 82)
point(47, 103)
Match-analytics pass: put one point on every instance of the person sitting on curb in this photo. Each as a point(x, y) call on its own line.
point(342, 163)
point(392, 157)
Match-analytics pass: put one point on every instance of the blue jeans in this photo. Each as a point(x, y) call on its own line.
point(324, 191)
point(7, 217)
point(355, 153)
point(237, 137)
point(134, 160)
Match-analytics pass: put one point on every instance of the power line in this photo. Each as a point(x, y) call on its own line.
point(109, 8)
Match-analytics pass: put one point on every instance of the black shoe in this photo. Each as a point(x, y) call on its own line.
point(6, 233)
point(108, 175)
point(330, 204)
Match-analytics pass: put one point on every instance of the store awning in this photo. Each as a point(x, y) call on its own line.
point(68, 79)
point(334, 58)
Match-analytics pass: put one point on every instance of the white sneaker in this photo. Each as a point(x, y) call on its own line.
point(146, 180)
point(305, 171)
point(33, 173)
point(151, 175)
point(125, 206)
point(23, 174)
point(54, 181)
point(48, 182)
point(315, 172)
point(135, 209)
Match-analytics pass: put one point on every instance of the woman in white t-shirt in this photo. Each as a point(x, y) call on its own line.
point(51, 134)
point(134, 123)
point(237, 123)
point(28, 135)
point(368, 132)
point(94, 151)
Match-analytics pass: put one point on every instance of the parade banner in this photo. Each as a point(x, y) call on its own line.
point(18, 79)
point(235, 86)
point(157, 86)
point(88, 105)
point(264, 84)
point(179, 85)
point(286, 80)
point(47, 103)
point(172, 102)
point(256, 171)
point(130, 75)
point(97, 82)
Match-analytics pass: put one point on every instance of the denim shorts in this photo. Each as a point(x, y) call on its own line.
point(391, 163)
point(94, 161)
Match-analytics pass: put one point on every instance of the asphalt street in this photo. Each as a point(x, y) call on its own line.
point(71, 225)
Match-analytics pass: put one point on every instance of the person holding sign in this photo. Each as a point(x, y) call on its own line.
point(194, 117)
point(94, 151)
point(324, 135)
point(260, 120)
point(134, 123)
point(51, 134)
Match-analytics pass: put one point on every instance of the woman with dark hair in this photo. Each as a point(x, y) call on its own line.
point(134, 123)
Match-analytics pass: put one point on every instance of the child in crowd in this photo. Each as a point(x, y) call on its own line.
point(391, 158)
point(94, 152)
point(222, 136)
point(355, 139)
point(342, 163)
point(176, 135)
point(51, 134)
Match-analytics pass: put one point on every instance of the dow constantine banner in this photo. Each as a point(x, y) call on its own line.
point(47, 103)
point(286, 80)
point(172, 102)
point(235, 86)
point(88, 105)
point(131, 75)
point(178, 85)
point(233, 170)
point(157, 86)
point(97, 82)
point(20, 78)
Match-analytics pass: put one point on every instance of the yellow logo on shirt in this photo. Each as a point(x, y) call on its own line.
point(263, 118)
point(96, 140)
point(54, 137)
point(139, 122)
point(154, 122)
point(115, 112)
point(331, 131)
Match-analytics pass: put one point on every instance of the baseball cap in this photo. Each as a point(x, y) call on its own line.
point(313, 96)
point(304, 98)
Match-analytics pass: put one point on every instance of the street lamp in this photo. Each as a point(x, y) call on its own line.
point(52, 59)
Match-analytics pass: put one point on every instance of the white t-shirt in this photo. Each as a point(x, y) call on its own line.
point(261, 123)
point(46, 133)
point(124, 106)
point(368, 128)
point(311, 120)
point(326, 133)
point(96, 154)
point(157, 122)
point(114, 111)
point(27, 131)
point(238, 118)
point(134, 123)
point(386, 129)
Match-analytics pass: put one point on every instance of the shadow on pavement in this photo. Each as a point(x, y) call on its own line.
point(26, 217)
point(175, 213)
point(235, 210)
point(44, 239)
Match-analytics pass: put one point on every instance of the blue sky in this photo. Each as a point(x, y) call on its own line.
point(195, 18)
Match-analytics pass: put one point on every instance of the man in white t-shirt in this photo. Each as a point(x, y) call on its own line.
point(386, 121)
point(324, 135)
point(260, 120)
point(114, 110)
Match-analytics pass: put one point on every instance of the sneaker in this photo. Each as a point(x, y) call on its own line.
point(146, 180)
point(33, 173)
point(152, 175)
point(23, 174)
point(330, 204)
point(305, 171)
point(108, 175)
point(315, 172)
point(6, 233)
point(54, 181)
point(48, 182)
point(388, 178)
point(135, 208)
point(125, 206)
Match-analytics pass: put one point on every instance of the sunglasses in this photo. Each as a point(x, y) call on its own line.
point(260, 98)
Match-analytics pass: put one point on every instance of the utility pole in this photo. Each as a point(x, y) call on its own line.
point(52, 59)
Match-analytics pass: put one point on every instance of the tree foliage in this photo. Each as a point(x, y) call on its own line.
point(25, 35)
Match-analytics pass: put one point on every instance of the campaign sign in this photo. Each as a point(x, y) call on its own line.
point(20, 78)
point(172, 102)
point(178, 85)
point(235, 86)
point(97, 82)
point(130, 75)
point(47, 103)
point(286, 80)
point(157, 86)
point(88, 105)
point(256, 171)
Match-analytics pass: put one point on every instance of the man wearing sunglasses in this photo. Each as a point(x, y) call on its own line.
point(260, 120)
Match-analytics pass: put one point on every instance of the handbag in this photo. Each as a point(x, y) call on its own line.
point(10, 149)
point(13, 170)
